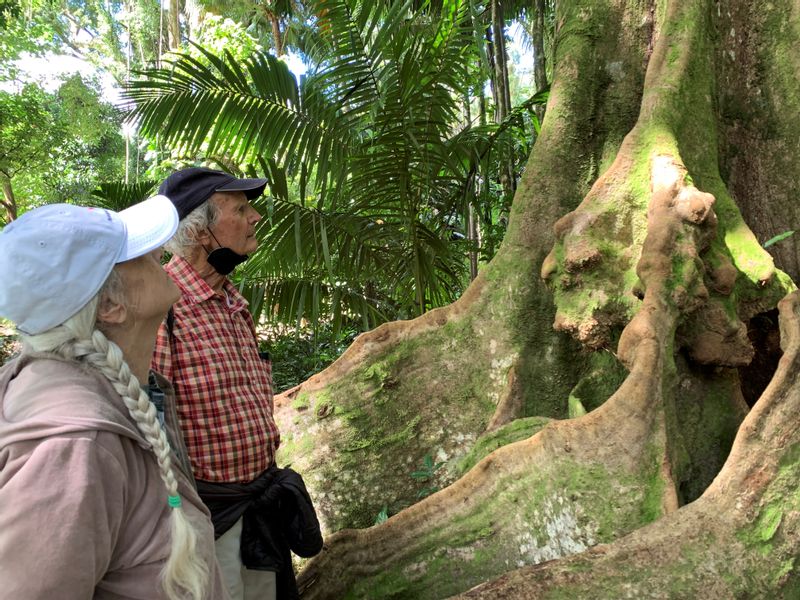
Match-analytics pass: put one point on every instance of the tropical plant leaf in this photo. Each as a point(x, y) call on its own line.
point(369, 176)
point(119, 195)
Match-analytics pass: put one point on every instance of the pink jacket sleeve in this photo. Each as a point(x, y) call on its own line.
point(61, 507)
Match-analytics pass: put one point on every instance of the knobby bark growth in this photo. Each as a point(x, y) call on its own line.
point(739, 540)
point(629, 212)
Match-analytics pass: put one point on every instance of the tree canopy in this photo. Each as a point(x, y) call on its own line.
point(390, 170)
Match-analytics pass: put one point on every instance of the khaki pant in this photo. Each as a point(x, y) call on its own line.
point(242, 584)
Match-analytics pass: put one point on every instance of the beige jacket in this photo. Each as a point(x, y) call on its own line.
point(83, 511)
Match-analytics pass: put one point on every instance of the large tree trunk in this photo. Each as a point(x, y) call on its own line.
point(626, 209)
point(739, 540)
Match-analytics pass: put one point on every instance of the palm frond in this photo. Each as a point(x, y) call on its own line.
point(118, 195)
point(368, 169)
point(219, 107)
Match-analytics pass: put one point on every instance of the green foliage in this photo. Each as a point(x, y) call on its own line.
point(299, 353)
point(383, 515)
point(118, 195)
point(55, 147)
point(24, 30)
point(9, 10)
point(91, 29)
point(221, 35)
point(9, 345)
point(256, 18)
point(370, 173)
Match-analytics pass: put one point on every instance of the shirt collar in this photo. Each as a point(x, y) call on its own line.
point(195, 289)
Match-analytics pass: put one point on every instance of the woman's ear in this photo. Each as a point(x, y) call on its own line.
point(111, 312)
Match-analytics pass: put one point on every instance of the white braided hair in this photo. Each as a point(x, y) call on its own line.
point(185, 575)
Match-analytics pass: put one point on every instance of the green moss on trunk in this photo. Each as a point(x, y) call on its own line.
point(563, 509)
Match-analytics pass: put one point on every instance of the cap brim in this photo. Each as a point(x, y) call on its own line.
point(252, 188)
point(149, 224)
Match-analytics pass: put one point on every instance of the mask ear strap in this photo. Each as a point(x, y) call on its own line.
point(215, 237)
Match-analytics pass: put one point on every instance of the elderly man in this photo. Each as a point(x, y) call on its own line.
point(208, 349)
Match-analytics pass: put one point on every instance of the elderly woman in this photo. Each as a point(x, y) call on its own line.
point(94, 501)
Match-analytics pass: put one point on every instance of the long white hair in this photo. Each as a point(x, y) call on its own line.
point(185, 575)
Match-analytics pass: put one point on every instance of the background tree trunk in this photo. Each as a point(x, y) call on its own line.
point(539, 59)
point(626, 210)
point(174, 25)
point(500, 84)
point(9, 201)
point(275, 23)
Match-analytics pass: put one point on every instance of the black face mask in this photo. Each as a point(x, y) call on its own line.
point(224, 260)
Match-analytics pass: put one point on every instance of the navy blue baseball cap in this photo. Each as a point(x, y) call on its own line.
point(189, 188)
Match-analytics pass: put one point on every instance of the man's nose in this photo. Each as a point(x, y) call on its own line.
point(255, 216)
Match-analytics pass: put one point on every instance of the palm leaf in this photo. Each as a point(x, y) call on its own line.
point(118, 195)
point(369, 132)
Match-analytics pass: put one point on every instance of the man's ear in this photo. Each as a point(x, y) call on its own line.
point(111, 312)
point(202, 237)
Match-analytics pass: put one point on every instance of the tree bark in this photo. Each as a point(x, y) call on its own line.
point(9, 200)
point(277, 36)
point(650, 276)
point(739, 540)
point(501, 86)
point(539, 58)
point(759, 147)
point(174, 25)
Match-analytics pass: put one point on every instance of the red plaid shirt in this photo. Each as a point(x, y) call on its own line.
point(224, 388)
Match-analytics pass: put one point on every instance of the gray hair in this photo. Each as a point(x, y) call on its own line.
point(78, 338)
point(201, 218)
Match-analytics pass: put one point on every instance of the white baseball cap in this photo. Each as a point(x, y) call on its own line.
point(55, 258)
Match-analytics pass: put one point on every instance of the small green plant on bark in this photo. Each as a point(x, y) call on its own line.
point(425, 475)
point(383, 515)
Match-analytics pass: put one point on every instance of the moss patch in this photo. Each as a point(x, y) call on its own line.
point(519, 429)
point(558, 511)
point(605, 375)
point(358, 440)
